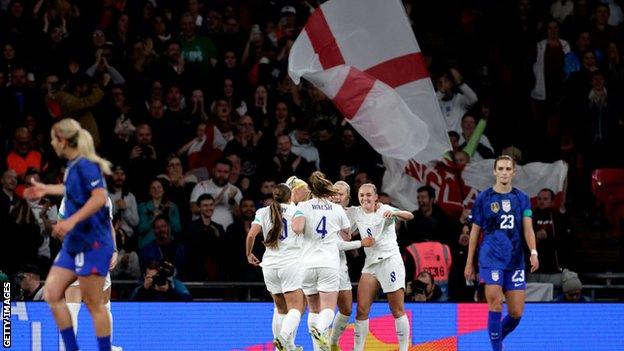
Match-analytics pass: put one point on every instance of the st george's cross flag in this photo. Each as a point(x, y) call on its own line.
point(363, 55)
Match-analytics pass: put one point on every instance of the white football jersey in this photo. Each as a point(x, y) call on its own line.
point(288, 250)
point(382, 229)
point(323, 222)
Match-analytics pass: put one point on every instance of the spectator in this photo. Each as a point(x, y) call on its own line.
point(158, 205)
point(235, 237)
point(31, 286)
point(102, 66)
point(249, 145)
point(78, 101)
point(551, 232)
point(143, 161)
point(458, 290)
point(602, 32)
point(196, 49)
point(127, 266)
point(302, 145)
point(572, 288)
point(158, 285)
point(455, 98)
point(561, 9)
point(163, 124)
point(484, 149)
point(226, 195)
point(163, 247)
point(287, 163)
point(203, 150)
point(8, 198)
point(46, 214)
point(204, 241)
point(124, 202)
point(548, 65)
point(22, 236)
point(430, 223)
point(23, 157)
point(424, 289)
point(178, 186)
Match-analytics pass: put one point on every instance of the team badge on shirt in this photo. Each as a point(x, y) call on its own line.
point(495, 276)
point(494, 207)
point(506, 205)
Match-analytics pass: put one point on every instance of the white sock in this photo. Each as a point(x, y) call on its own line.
point(110, 318)
point(74, 309)
point(361, 331)
point(289, 325)
point(276, 324)
point(325, 319)
point(312, 320)
point(293, 336)
point(338, 327)
point(403, 332)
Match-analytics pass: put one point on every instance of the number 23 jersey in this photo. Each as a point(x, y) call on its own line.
point(500, 217)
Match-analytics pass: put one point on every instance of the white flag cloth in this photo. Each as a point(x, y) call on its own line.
point(452, 195)
point(363, 55)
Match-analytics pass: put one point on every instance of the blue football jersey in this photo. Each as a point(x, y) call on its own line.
point(500, 217)
point(81, 178)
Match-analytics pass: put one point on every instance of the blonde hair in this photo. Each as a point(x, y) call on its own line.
point(295, 183)
point(320, 186)
point(81, 140)
point(370, 185)
point(345, 185)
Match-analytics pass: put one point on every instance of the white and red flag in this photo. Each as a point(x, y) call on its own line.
point(363, 55)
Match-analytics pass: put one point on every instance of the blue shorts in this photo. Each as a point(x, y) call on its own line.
point(507, 279)
point(94, 261)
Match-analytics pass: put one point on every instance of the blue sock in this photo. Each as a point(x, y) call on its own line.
point(494, 329)
point(104, 343)
point(509, 324)
point(69, 339)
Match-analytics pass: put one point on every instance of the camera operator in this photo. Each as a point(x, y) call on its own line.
point(423, 289)
point(159, 285)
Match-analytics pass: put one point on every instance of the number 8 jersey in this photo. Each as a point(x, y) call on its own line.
point(323, 222)
point(288, 248)
point(500, 217)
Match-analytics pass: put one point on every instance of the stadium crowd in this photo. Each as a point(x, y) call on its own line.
point(191, 102)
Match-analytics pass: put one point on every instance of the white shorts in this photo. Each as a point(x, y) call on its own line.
point(390, 273)
point(282, 280)
point(107, 282)
point(321, 279)
point(345, 281)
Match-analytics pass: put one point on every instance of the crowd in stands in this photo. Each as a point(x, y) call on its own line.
point(191, 102)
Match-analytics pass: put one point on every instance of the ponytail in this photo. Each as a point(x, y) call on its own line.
point(320, 186)
point(81, 140)
point(281, 195)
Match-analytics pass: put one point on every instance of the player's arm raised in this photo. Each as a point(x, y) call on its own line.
point(529, 236)
point(469, 273)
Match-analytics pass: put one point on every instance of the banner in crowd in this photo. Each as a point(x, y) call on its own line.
point(454, 193)
point(363, 55)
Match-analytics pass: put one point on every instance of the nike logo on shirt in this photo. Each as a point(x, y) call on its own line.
point(95, 182)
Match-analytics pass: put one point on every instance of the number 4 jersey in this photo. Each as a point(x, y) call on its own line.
point(500, 217)
point(323, 222)
point(288, 250)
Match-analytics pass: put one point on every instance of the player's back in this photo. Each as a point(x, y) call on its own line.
point(500, 217)
point(81, 178)
point(323, 222)
point(288, 250)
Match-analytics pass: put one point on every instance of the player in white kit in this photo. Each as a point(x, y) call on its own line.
point(73, 297)
point(321, 221)
point(345, 296)
point(383, 264)
point(280, 263)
